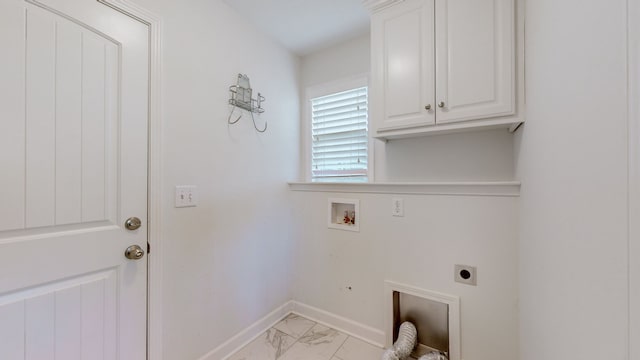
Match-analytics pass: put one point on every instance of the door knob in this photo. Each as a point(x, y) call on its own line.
point(441, 104)
point(428, 107)
point(132, 223)
point(134, 252)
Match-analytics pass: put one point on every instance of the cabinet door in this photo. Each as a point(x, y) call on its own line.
point(475, 59)
point(403, 66)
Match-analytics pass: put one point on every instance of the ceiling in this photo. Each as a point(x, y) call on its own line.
point(305, 26)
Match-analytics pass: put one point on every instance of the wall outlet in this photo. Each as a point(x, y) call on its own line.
point(186, 196)
point(465, 274)
point(397, 207)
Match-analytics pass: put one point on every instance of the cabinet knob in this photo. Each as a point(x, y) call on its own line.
point(428, 107)
point(441, 104)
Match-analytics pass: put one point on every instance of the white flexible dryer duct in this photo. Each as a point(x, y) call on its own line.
point(402, 348)
point(434, 355)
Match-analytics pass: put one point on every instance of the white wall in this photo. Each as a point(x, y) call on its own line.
point(573, 165)
point(484, 155)
point(419, 249)
point(228, 261)
point(337, 62)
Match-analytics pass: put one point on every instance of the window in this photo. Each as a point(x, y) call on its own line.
point(339, 133)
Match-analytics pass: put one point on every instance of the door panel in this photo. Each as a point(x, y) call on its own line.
point(403, 66)
point(39, 325)
point(12, 332)
point(40, 120)
point(73, 319)
point(70, 124)
point(94, 126)
point(12, 65)
point(475, 67)
point(73, 142)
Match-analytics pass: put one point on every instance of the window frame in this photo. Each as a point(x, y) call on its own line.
point(325, 89)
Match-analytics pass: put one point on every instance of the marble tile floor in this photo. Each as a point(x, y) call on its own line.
point(298, 338)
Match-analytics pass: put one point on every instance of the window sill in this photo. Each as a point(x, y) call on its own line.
point(476, 188)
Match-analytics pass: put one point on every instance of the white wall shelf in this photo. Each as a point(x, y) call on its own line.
point(510, 124)
point(492, 188)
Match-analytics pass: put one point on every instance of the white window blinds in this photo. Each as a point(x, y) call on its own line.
point(339, 137)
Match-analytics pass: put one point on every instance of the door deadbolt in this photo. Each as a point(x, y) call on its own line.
point(134, 252)
point(133, 223)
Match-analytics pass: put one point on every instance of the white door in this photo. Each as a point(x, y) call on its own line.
point(403, 66)
point(475, 66)
point(73, 168)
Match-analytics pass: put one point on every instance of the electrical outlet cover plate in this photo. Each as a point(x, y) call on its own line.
point(397, 207)
point(466, 274)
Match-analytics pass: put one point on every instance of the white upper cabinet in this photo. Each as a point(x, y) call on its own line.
point(404, 65)
point(475, 49)
point(444, 66)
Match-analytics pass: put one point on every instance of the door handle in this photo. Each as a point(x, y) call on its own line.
point(134, 252)
point(133, 223)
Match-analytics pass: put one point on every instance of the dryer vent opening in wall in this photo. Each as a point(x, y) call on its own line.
point(435, 316)
point(431, 319)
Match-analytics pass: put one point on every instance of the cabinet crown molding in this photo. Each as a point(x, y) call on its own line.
point(377, 5)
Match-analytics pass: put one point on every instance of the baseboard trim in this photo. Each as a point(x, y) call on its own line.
point(249, 334)
point(363, 332)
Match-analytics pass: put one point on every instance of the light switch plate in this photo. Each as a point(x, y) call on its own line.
point(186, 196)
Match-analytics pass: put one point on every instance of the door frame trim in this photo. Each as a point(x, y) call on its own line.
point(633, 94)
point(154, 177)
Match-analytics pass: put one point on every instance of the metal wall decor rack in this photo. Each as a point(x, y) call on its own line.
point(241, 98)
